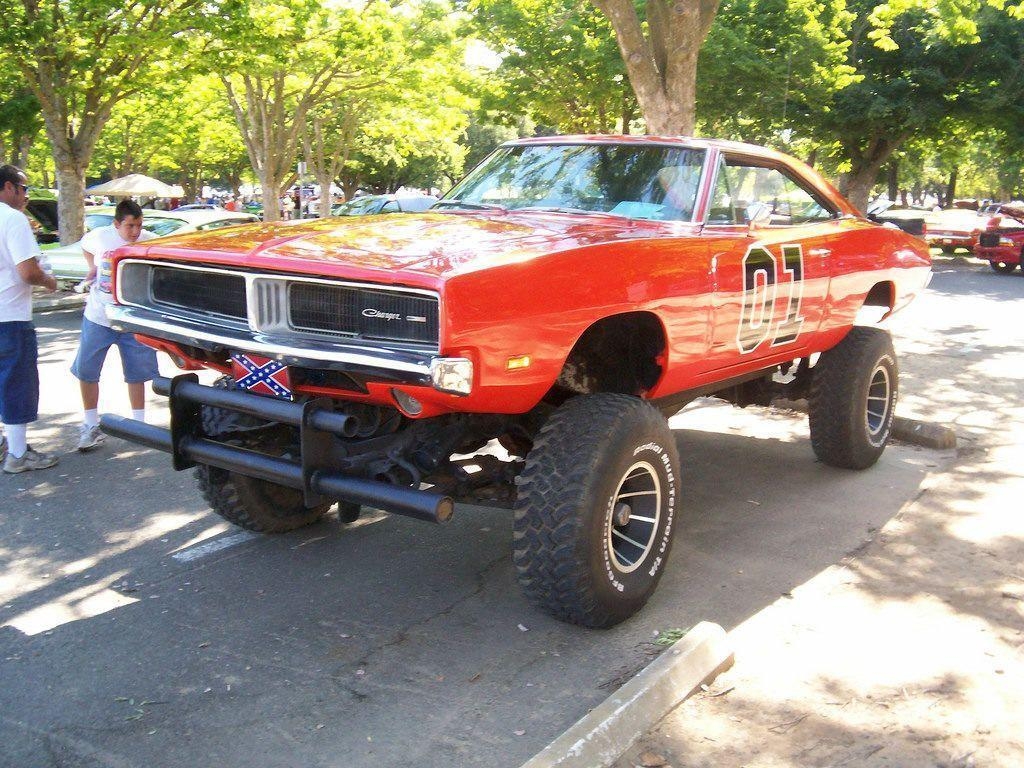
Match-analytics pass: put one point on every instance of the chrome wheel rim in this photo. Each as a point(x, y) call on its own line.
point(879, 402)
point(634, 514)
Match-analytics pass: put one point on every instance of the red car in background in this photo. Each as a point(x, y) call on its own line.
point(1002, 245)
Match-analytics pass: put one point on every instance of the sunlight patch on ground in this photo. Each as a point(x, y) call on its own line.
point(82, 603)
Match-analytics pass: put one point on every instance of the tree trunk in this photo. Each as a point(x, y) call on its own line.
point(951, 188)
point(270, 194)
point(857, 184)
point(324, 181)
point(893, 177)
point(70, 201)
point(662, 62)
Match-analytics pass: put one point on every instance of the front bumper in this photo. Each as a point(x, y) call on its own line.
point(379, 363)
point(313, 474)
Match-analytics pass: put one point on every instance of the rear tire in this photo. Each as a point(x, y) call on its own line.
point(853, 399)
point(592, 528)
point(256, 505)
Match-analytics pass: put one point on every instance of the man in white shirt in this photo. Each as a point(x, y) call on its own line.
point(19, 375)
point(137, 360)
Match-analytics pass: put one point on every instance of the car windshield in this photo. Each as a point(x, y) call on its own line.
point(359, 206)
point(162, 226)
point(637, 182)
point(96, 220)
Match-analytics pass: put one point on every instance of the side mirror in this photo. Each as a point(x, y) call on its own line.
point(758, 215)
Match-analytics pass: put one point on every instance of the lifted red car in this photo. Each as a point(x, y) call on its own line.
point(1003, 245)
point(558, 303)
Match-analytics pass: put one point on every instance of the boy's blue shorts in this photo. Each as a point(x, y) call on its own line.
point(19, 377)
point(138, 360)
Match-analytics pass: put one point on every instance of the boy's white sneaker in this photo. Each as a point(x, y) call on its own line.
point(90, 437)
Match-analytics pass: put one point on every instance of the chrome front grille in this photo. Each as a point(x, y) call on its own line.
point(283, 305)
point(363, 313)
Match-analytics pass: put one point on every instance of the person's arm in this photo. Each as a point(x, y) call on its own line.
point(91, 261)
point(30, 271)
point(21, 243)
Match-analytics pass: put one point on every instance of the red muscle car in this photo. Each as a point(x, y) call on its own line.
point(1002, 245)
point(558, 302)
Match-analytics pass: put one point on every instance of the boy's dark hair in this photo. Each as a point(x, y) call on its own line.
point(12, 174)
point(126, 208)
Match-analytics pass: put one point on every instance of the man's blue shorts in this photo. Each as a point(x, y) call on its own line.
point(19, 377)
point(138, 360)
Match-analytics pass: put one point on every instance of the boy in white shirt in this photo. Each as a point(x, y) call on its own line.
point(19, 375)
point(138, 360)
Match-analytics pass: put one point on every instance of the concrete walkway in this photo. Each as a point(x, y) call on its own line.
point(909, 652)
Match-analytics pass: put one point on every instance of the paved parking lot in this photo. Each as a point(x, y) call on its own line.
point(140, 630)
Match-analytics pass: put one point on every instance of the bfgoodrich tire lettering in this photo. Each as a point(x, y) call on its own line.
point(595, 509)
point(853, 399)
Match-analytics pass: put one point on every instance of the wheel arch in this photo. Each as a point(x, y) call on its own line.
point(621, 353)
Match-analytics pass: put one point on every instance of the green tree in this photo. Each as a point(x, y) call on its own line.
point(20, 119)
point(770, 65)
point(911, 90)
point(559, 64)
point(79, 60)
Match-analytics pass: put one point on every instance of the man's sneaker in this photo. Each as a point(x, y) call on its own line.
point(29, 461)
point(90, 437)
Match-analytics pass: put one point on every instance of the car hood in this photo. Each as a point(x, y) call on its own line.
point(438, 245)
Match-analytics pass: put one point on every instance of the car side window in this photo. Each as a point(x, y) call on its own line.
point(722, 209)
point(391, 206)
point(754, 186)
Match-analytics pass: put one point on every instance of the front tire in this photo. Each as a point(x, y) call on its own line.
point(256, 505)
point(1002, 267)
point(853, 399)
point(594, 513)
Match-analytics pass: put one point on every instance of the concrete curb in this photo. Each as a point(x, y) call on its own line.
point(923, 433)
point(603, 735)
point(55, 302)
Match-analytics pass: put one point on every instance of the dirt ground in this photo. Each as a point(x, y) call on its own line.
point(910, 651)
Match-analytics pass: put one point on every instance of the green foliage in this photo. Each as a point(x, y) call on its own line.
point(768, 65)
point(560, 64)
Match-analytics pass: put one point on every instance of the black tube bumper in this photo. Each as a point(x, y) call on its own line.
point(312, 475)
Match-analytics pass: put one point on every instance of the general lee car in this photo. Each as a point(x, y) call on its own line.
point(558, 303)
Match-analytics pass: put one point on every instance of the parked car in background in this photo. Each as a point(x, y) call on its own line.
point(69, 265)
point(374, 204)
point(1002, 245)
point(956, 228)
point(910, 220)
point(41, 210)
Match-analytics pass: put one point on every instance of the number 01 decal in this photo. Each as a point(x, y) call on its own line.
point(763, 282)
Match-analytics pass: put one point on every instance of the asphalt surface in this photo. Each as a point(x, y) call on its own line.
point(138, 629)
point(907, 652)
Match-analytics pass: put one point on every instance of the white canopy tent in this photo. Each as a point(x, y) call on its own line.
point(136, 185)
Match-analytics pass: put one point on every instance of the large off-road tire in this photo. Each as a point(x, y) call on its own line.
point(1002, 267)
point(853, 399)
point(594, 511)
point(256, 505)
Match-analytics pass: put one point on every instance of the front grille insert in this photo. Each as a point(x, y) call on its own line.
point(213, 292)
point(363, 313)
point(283, 305)
point(988, 239)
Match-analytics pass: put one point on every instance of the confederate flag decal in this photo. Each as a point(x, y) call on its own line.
point(261, 375)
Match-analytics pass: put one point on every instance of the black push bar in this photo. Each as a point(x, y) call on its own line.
point(313, 475)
